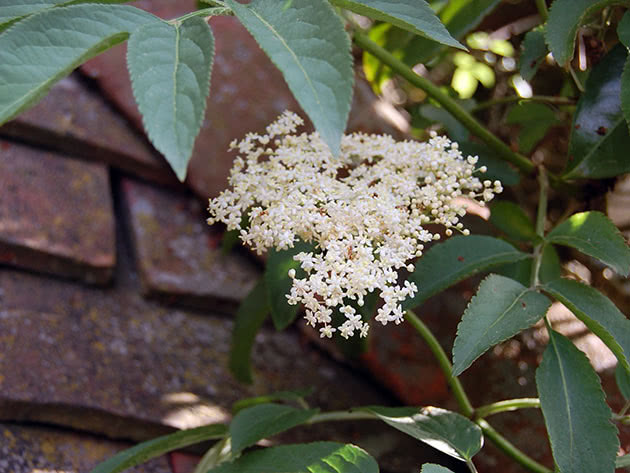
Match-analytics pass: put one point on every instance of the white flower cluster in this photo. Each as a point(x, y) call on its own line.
point(365, 211)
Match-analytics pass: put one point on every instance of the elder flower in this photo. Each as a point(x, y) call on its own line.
point(364, 210)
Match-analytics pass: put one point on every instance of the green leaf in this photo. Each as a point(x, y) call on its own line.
point(279, 283)
point(411, 15)
point(264, 420)
point(597, 312)
point(623, 30)
point(170, 67)
point(595, 235)
point(444, 430)
point(317, 457)
point(306, 40)
point(145, 451)
point(599, 130)
point(521, 271)
point(249, 318)
point(456, 259)
point(536, 119)
point(459, 17)
point(622, 377)
point(38, 51)
point(583, 439)
point(497, 167)
point(512, 220)
point(277, 396)
point(501, 308)
point(534, 52)
point(433, 468)
point(565, 17)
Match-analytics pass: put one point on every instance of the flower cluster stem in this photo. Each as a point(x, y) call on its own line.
point(450, 105)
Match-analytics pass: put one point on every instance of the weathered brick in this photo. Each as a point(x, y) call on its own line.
point(76, 120)
point(38, 449)
point(179, 257)
point(55, 214)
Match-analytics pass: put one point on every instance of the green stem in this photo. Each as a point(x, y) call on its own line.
point(335, 416)
point(442, 359)
point(624, 409)
point(506, 406)
point(510, 449)
point(515, 98)
point(541, 216)
point(542, 9)
point(448, 103)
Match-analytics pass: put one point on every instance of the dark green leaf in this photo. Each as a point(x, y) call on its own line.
point(623, 30)
point(279, 283)
point(433, 468)
point(512, 220)
point(534, 52)
point(459, 17)
point(455, 129)
point(565, 17)
point(597, 312)
point(456, 259)
point(170, 67)
point(583, 439)
point(306, 40)
point(599, 130)
point(317, 457)
point(38, 51)
point(622, 376)
point(521, 271)
point(501, 308)
point(595, 235)
point(411, 15)
point(277, 396)
point(536, 119)
point(144, 451)
point(265, 420)
point(444, 430)
point(497, 167)
point(249, 318)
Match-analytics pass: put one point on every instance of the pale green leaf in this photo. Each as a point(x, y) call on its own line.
point(306, 40)
point(534, 52)
point(456, 259)
point(145, 451)
point(279, 283)
point(250, 316)
point(565, 17)
point(501, 308)
point(411, 15)
point(444, 430)
point(264, 420)
point(597, 312)
point(583, 438)
point(38, 51)
point(594, 234)
point(599, 130)
point(170, 67)
point(317, 457)
point(433, 468)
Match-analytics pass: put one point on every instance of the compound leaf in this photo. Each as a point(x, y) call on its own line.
point(43, 48)
point(264, 420)
point(306, 40)
point(319, 457)
point(583, 438)
point(456, 259)
point(170, 67)
point(594, 234)
point(501, 308)
point(444, 430)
